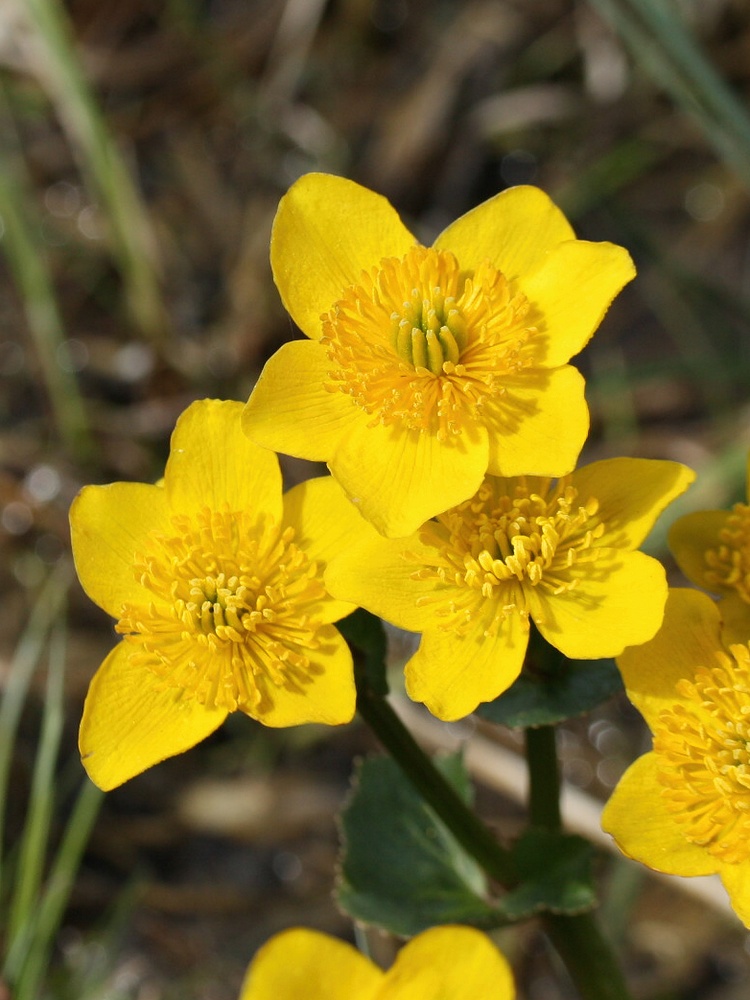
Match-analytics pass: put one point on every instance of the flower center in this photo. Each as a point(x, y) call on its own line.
point(513, 536)
point(729, 564)
point(703, 748)
point(231, 611)
point(420, 343)
point(427, 332)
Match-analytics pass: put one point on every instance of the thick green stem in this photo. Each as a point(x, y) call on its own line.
point(544, 778)
point(578, 940)
point(587, 955)
point(468, 830)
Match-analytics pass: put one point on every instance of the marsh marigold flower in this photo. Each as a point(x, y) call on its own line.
point(684, 808)
point(449, 963)
point(428, 367)
point(215, 580)
point(523, 549)
point(712, 548)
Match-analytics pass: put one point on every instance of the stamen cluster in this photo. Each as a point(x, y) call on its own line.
point(421, 343)
point(703, 751)
point(729, 563)
point(512, 536)
point(230, 610)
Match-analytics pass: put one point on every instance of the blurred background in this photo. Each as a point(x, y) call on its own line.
point(144, 145)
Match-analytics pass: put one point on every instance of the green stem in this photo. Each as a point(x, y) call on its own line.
point(468, 830)
point(544, 778)
point(578, 940)
point(586, 954)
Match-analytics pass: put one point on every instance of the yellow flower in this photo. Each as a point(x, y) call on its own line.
point(428, 367)
point(449, 962)
point(684, 808)
point(215, 580)
point(560, 554)
point(712, 548)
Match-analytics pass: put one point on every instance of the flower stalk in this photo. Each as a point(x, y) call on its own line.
point(544, 778)
point(587, 956)
point(577, 938)
point(465, 826)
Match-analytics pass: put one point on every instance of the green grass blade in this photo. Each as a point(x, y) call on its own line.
point(22, 667)
point(674, 36)
point(35, 839)
point(57, 893)
point(599, 182)
point(663, 45)
point(26, 254)
point(58, 68)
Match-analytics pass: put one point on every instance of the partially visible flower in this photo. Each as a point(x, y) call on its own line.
point(525, 549)
point(684, 808)
point(428, 367)
point(216, 584)
point(712, 548)
point(450, 962)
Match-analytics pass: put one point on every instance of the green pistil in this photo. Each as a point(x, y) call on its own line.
point(429, 332)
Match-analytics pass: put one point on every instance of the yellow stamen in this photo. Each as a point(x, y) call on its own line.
point(729, 564)
point(511, 537)
point(229, 614)
point(703, 747)
point(421, 343)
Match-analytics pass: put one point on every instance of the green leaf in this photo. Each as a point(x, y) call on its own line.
point(365, 634)
point(556, 873)
point(401, 869)
point(542, 699)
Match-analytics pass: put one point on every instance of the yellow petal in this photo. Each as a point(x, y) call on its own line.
point(689, 638)
point(325, 523)
point(619, 602)
point(515, 231)
point(735, 619)
point(326, 232)
point(736, 880)
point(291, 411)
point(326, 695)
point(644, 828)
point(213, 464)
point(131, 722)
point(400, 478)
point(108, 527)
point(452, 674)
point(449, 962)
point(571, 292)
point(539, 426)
point(379, 574)
point(632, 492)
point(302, 963)
point(690, 537)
